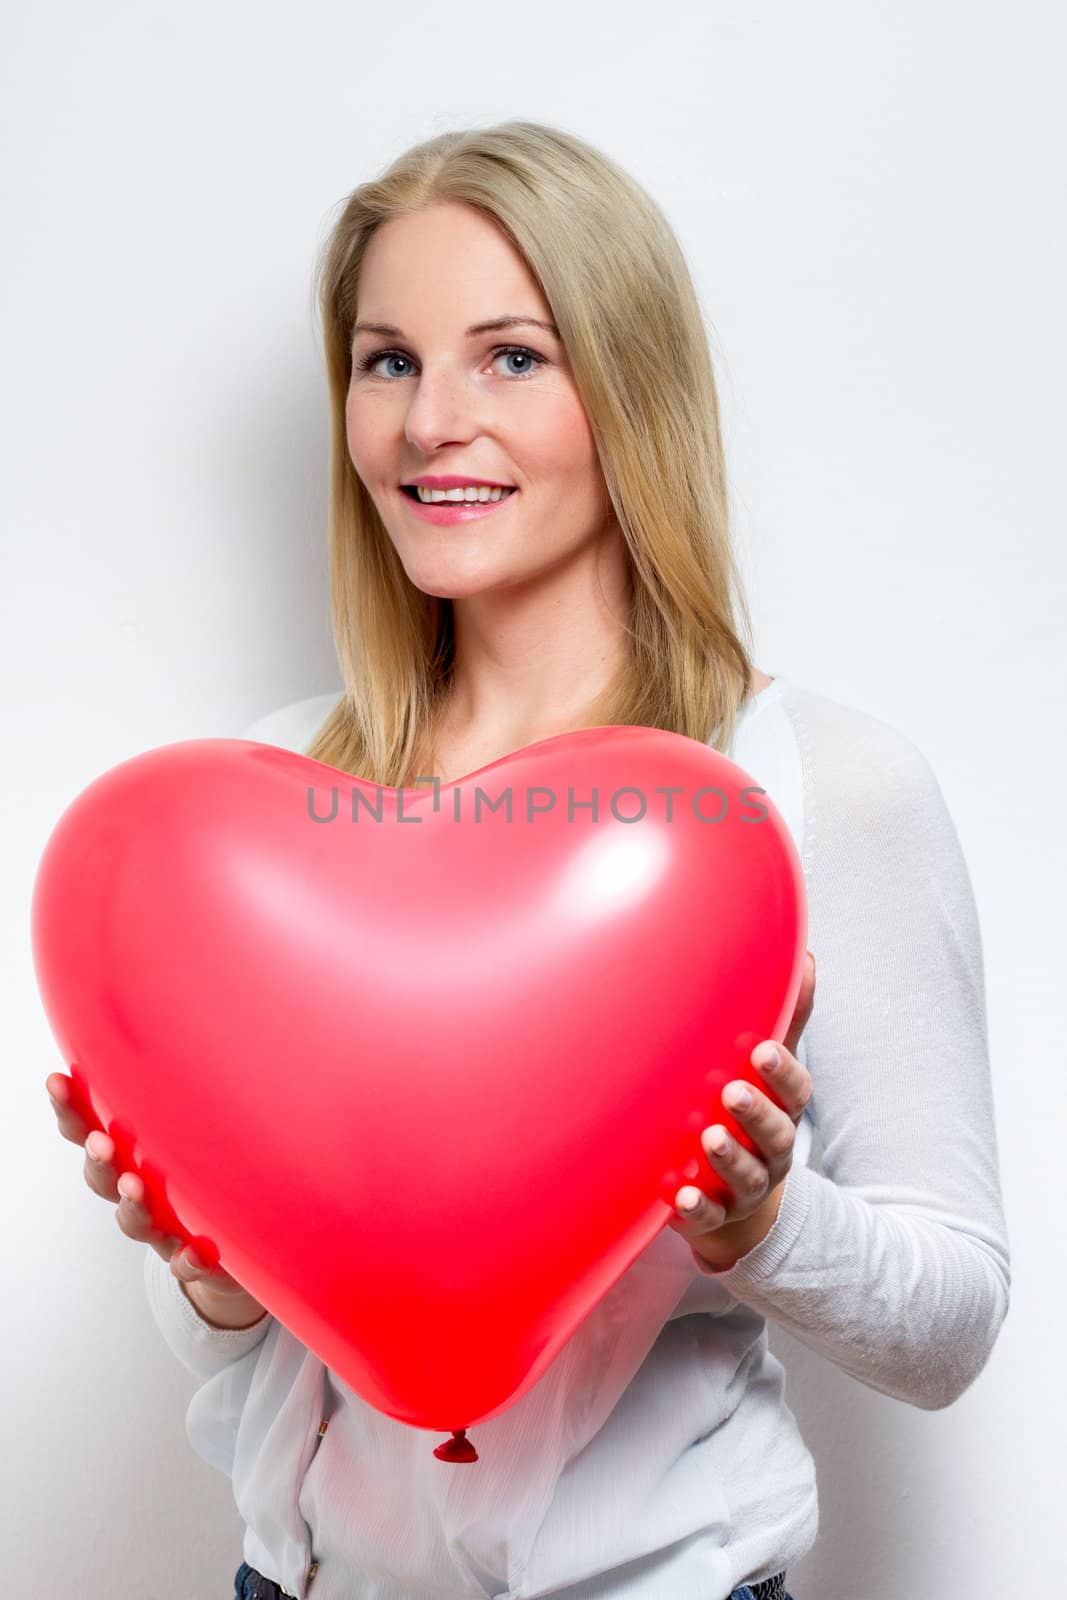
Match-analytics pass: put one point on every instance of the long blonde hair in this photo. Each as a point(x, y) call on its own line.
point(612, 272)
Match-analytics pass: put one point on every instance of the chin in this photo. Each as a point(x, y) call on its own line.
point(451, 580)
point(444, 586)
point(457, 591)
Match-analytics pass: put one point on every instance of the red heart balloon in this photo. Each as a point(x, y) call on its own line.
point(422, 1069)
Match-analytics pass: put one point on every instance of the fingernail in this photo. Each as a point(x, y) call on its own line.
point(688, 1199)
point(771, 1062)
point(740, 1099)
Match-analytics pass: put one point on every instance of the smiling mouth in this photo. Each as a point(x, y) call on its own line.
point(412, 492)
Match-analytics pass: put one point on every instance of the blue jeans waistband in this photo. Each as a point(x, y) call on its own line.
point(252, 1585)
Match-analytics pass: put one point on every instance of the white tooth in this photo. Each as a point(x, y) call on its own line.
point(471, 492)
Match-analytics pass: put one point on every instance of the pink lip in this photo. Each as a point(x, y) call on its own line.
point(429, 482)
point(448, 511)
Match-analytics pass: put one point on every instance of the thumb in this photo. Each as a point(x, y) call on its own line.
point(803, 1008)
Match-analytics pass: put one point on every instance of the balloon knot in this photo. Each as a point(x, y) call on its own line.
point(458, 1448)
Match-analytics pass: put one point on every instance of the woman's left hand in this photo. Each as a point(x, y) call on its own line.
point(723, 1234)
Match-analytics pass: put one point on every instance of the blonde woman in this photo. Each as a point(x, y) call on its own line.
point(505, 307)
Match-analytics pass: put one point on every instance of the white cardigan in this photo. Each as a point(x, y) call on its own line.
point(657, 1455)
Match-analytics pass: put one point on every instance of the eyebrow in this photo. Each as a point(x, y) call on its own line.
point(495, 323)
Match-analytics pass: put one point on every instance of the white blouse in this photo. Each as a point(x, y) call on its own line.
point(657, 1455)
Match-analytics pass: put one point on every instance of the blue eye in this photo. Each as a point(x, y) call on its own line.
point(370, 361)
point(520, 350)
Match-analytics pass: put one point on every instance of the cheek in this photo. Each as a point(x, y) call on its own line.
point(557, 444)
point(364, 429)
point(353, 432)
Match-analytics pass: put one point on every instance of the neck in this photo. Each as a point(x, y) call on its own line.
point(531, 658)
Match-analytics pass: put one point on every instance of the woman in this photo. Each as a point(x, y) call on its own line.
point(506, 307)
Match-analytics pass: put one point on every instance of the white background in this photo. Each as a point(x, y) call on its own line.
point(872, 203)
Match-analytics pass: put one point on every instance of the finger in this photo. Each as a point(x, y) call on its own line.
point(71, 1124)
point(804, 1003)
point(787, 1082)
point(135, 1219)
point(745, 1173)
point(99, 1171)
point(132, 1216)
point(136, 1222)
point(165, 1245)
point(126, 1190)
point(773, 1129)
point(190, 1267)
point(695, 1212)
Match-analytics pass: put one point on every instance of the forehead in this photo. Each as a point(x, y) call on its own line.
point(448, 261)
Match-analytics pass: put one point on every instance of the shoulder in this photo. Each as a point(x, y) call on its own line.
point(876, 816)
point(836, 773)
point(293, 726)
point(854, 758)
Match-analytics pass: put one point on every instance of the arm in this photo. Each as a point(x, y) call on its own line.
point(222, 1311)
point(893, 1262)
point(202, 1347)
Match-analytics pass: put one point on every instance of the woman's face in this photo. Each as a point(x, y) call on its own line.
point(433, 398)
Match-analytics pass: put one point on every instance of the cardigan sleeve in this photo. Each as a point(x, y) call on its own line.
point(201, 1348)
point(893, 1261)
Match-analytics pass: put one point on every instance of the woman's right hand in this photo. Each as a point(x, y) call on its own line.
point(127, 1192)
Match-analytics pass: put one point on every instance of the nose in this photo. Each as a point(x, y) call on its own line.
point(445, 408)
